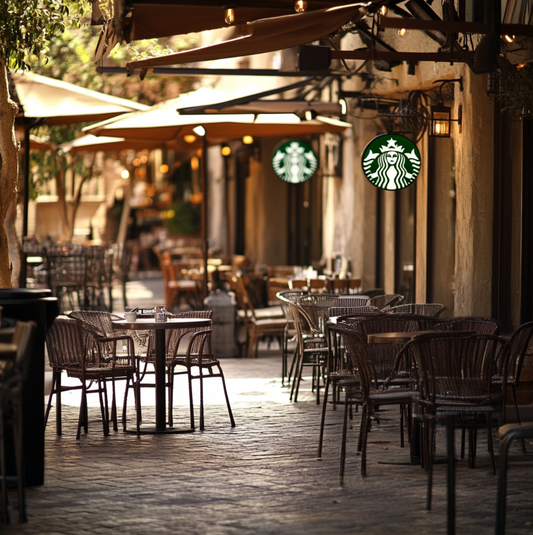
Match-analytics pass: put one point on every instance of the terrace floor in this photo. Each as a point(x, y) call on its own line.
point(261, 477)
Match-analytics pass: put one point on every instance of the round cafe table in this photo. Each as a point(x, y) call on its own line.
point(145, 324)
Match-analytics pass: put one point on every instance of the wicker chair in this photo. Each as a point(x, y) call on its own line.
point(289, 333)
point(344, 312)
point(189, 348)
point(479, 325)
point(118, 265)
point(198, 355)
point(454, 371)
point(67, 276)
point(363, 390)
point(257, 322)
point(11, 409)
point(371, 292)
point(510, 366)
point(176, 287)
point(383, 358)
point(420, 309)
point(99, 360)
point(385, 300)
point(311, 351)
point(98, 261)
point(507, 434)
point(344, 286)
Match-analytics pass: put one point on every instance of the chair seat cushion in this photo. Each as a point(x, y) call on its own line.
point(274, 322)
point(262, 313)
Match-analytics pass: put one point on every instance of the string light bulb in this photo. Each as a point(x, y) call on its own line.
point(402, 32)
point(510, 38)
point(300, 6)
point(229, 15)
point(248, 140)
point(226, 150)
point(383, 10)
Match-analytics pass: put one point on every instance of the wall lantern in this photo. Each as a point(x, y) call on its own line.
point(441, 115)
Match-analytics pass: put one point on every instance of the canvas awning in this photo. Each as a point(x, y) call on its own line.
point(59, 102)
point(90, 143)
point(142, 19)
point(265, 35)
point(162, 123)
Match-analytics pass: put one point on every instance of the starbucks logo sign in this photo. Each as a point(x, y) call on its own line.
point(391, 162)
point(294, 162)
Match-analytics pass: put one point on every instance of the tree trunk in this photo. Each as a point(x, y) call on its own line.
point(87, 175)
point(8, 171)
point(13, 243)
point(66, 233)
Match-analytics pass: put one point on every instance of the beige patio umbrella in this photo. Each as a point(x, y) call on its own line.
point(59, 102)
point(264, 35)
point(90, 143)
point(54, 102)
point(163, 123)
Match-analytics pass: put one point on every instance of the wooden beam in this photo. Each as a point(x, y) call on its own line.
point(369, 54)
point(452, 27)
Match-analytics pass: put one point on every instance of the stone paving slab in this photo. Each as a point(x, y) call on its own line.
point(262, 477)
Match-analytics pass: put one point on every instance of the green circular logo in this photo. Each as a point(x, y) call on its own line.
point(391, 162)
point(294, 161)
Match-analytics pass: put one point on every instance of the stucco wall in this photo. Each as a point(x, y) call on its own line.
point(474, 185)
point(266, 210)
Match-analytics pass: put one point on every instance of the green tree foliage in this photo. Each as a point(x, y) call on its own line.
point(27, 26)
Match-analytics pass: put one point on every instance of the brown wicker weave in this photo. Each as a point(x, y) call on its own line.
point(454, 372)
point(433, 310)
point(289, 333)
point(92, 350)
point(479, 325)
point(364, 390)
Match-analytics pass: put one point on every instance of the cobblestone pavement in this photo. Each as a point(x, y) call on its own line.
point(261, 477)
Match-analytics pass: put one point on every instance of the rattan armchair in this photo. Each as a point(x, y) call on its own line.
point(433, 310)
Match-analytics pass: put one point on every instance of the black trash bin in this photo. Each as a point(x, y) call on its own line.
point(37, 305)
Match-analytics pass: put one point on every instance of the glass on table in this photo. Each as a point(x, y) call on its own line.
point(160, 313)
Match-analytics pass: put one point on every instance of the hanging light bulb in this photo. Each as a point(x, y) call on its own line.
point(402, 32)
point(300, 6)
point(383, 10)
point(229, 15)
